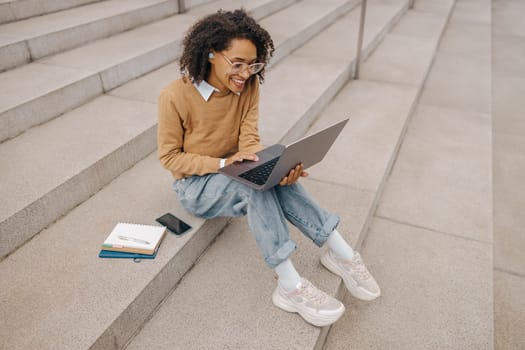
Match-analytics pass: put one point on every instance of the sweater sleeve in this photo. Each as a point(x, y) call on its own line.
point(249, 139)
point(170, 142)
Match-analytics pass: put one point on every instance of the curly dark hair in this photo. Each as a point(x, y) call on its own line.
point(215, 32)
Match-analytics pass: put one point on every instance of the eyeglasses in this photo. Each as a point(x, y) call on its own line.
point(237, 67)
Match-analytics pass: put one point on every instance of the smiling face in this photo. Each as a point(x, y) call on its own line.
point(221, 75)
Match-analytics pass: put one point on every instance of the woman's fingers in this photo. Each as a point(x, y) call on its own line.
point(293, 176)
point(241, 156)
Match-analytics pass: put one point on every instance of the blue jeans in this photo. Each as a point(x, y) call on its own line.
point(215, 195)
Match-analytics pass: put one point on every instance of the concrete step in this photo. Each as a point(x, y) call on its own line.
point(70, 159)
point(508, 143)
point(57, 294)
point(57, 185)
point(430, 240)
point(327, 65)
point(66, 299)
point(37, 37)
point(15, 10)
point(225, 300)
point(188, 4)
point(297, 30)
point(80, 74)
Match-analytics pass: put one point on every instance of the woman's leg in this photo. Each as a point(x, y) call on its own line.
point(216, 195)
point(319, 225)
point(305, 214)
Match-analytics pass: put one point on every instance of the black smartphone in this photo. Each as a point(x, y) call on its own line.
point(173, 223)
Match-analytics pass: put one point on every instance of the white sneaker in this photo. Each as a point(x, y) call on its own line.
point(314, 305)
point(354, 273)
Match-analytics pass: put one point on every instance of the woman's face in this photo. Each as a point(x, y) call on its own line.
point(221, 75)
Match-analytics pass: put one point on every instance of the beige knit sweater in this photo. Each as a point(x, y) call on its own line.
point(194, 134)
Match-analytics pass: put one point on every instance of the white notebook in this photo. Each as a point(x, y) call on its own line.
point(134, 238)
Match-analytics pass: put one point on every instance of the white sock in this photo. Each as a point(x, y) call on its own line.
point(338, 245)
point(289, 278)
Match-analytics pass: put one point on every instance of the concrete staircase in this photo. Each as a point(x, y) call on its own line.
point(14, 10)
point(430, 241)
point(224, 302)
point(51, 87)
point(508, 137)
point(78, 155)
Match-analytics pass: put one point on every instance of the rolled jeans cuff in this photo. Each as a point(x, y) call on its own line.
point(281, 254)
point(328, 227)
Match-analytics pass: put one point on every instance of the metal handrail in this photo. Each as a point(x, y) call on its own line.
point(360, 39)
point(181, 5)
point(361, 34)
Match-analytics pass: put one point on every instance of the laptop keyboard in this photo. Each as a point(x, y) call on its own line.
point(260, 174)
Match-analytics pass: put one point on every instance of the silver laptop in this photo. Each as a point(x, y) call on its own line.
point(275, 162)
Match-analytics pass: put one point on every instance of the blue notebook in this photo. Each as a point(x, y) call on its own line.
point(111, 254)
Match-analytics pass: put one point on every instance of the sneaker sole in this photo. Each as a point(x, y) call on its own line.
point(314, 319)
point(352, 286)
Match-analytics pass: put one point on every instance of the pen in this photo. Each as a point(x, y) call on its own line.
point(136, 240)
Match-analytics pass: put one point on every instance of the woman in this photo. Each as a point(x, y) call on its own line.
point(208, 119)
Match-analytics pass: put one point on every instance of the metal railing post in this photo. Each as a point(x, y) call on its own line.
point(360, 39)
point(181, 5)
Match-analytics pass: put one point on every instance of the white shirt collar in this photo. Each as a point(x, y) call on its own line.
point(206, 90)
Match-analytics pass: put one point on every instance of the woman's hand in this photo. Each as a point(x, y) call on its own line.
point(293, 176)
point(240, 156)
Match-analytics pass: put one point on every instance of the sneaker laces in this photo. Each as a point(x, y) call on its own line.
point(310, 292)
point(357, 267)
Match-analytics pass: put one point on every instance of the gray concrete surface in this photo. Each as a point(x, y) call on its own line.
point(369, 122)
point(442, 179)
point(41, 186)
point(50, 90)
point(319, 58)
point(509, 202)
point(60, 31)
point(436, 293)
point(430, 245)
point(315, 16)
point(57, 294)
point(452, 83)
point(12, 10)
point(451, 141)
point(509, 310)
point(508, 76)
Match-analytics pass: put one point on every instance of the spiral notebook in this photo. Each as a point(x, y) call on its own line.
point(134, 238)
